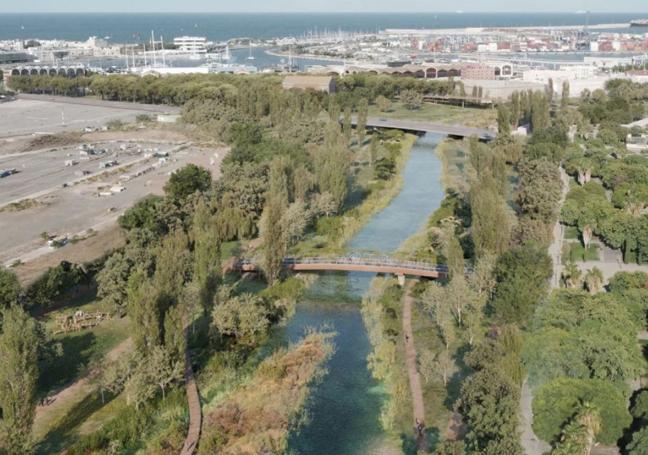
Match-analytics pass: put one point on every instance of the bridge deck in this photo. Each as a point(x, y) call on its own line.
point(352, 264)
point(428, 127)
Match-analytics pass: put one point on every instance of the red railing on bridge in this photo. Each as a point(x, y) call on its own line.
point(357, 264)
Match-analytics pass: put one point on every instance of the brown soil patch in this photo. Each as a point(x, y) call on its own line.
point(144, 135)
point(78, 253)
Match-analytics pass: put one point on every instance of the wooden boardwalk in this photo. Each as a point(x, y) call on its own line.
point(195, 411)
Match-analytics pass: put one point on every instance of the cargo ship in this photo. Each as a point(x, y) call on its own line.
point(639, 23)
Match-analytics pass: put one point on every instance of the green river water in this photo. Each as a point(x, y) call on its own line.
point(344, 408)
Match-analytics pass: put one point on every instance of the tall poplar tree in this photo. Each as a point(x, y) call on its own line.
point(19, 345)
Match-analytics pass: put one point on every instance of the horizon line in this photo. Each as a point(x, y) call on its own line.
point(458, 12)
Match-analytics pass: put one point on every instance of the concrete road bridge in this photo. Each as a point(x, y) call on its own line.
point(367, 264)
point(418, 126)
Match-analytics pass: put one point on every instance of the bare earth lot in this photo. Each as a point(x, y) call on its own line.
point(45, 114)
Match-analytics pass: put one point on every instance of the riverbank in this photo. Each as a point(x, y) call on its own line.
point(350, 222)
point(356, 424)
point(381, 310)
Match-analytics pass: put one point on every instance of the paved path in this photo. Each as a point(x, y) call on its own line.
point(412, 372)
point(530, 442)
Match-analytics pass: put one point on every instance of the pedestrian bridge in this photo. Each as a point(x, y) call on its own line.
point(371, 264)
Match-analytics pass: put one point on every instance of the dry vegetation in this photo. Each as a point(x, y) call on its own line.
point(53, 140)
point(257, 417)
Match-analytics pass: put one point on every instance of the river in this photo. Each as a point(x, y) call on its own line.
point(344, 409)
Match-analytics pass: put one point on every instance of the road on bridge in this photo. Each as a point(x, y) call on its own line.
point(428, 127)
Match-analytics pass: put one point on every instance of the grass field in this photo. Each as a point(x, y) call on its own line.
point(441, 113)
point(70, 394)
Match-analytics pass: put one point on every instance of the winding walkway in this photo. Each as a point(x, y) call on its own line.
point(412, 372)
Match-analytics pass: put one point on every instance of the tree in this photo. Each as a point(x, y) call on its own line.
point(243, 317)
point(639, 443)
point(453, 253)
point(540, 118)
point(273, 237)
point(490, 219)
point(503, 120)
point(489, 402)
point(411, 99)
point(303, 183)
point(579, 434)
point(434, 365)
point(207, 251)
point(450, 448)
point(383, 103)
point(280, 180)
point(144, 312)
point(172, 266)
point(112, 279)
point(594, 280)
point(164, 368)
point(9, 287)
point(522, 280)
point(564, 100)
point(332, 165)
point(434, 299)
point(346, 124)
point(571, 275)
point(556, 401)
point(186, 181)
point(19, 346)
point(639, 408)
point(295, 220)
point(361, 127)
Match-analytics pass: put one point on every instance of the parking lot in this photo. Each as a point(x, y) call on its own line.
point(33, 174)
point(94, 203)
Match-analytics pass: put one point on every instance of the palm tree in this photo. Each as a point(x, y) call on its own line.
point(579, 435)
point(594, 280)
point(571, 275)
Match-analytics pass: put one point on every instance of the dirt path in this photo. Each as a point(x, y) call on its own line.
point(58, 405)
point(412, 372)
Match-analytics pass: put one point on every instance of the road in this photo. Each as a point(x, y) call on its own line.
point(429, 127)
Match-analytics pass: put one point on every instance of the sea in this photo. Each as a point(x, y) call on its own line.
point(137, 27)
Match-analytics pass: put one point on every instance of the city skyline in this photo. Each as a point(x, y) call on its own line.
point(318, 6)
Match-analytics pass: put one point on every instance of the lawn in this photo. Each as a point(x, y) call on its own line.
point(440, 113)
point(65, 382)
point(575, 252)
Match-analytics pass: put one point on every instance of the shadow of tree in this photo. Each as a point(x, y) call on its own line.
point(61, 435)
point(60, 371)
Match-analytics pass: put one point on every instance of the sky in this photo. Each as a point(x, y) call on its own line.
point(319, 5)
